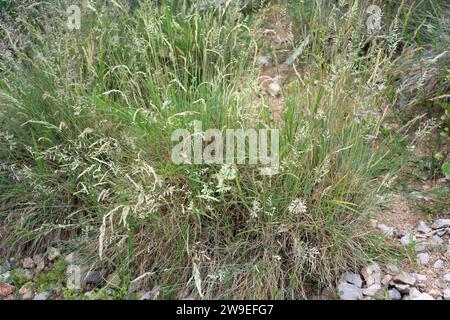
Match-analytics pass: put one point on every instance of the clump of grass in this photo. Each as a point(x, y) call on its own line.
point(420, 71)
point(90, 113)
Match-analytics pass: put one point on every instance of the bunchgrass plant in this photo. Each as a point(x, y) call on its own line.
point(86, 118)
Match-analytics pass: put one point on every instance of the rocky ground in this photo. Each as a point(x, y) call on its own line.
point(42, 277)
point(54, 276)
point(424, 274)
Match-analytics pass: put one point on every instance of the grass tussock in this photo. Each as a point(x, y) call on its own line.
point(85, 146)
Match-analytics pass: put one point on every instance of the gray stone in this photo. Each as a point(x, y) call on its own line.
point(93, 278)
point(372, 290)
point(419, 277)
point(372, 274)
point(42, 296)
point(447, 277)
point(422, 227)
point(352, 278)
point(392, 269)
point(415, 294)
point(423, 258)
point(386, 279)
point(446, 294)
point(387, 231)
point(348, 291)
point(73, 277)
point(439, 264)
point(436, 240)
point(405, 278)
point(441, 223)
point(394, 294)
point(441, 232)
point(407, 239)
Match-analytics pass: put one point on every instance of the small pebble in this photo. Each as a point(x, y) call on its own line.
point(352, 278)
point(439, 264)
point(419, 277)
point(423, 258)
point(348, 291)
point(274, 89)
point(405, 278)
point(415, 294)
point(42, 296)
point(441, 223)
point(372, 274)
point(446, 294)
point(394, 294)
point(422, 227)
point(447, 277)
point(392, 269)
point(436, 240)
point(407, 239)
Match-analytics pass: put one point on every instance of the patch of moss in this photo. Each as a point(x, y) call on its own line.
point(53, 278)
